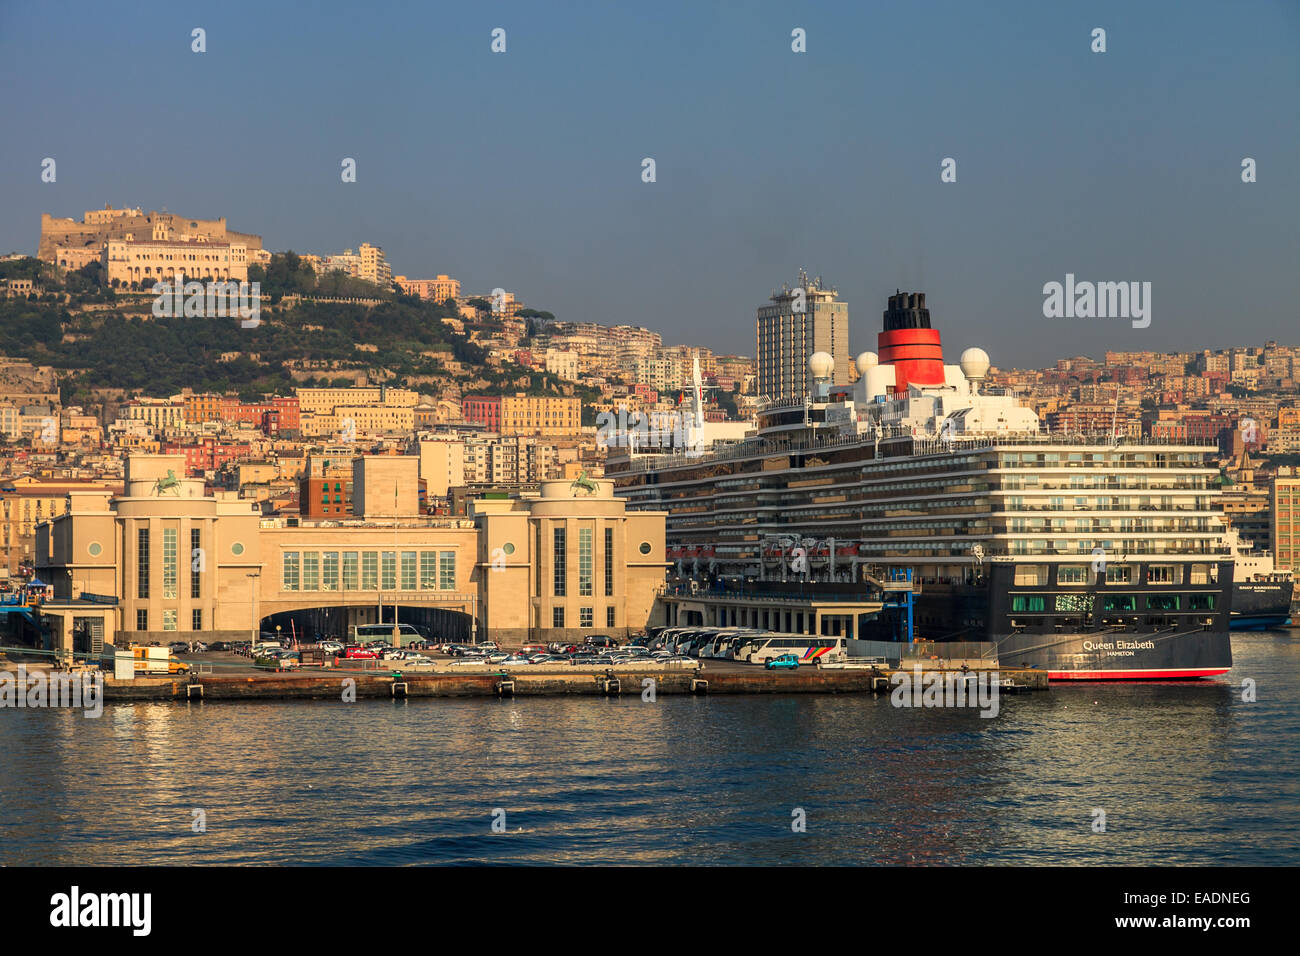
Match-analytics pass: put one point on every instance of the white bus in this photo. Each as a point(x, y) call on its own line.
point(726, 642)
point(364, 633)
point(809, 648)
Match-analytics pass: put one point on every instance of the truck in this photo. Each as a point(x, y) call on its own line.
point(157, 660)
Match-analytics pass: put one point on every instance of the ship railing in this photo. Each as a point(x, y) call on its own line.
point(923, 445)
point(764, 597)
point(1115, 555)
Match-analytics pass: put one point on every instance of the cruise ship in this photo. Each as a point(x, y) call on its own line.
point(1095, 557)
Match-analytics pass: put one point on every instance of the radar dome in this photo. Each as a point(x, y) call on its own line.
point(821, 365)
point(975, 363)
point(866, 360)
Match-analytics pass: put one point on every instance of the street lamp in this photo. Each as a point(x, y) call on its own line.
point(397, 571)
point(252, 589)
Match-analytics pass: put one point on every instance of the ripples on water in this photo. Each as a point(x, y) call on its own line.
point(1186, 774)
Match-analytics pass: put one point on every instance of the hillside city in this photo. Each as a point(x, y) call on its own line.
point(491, 395)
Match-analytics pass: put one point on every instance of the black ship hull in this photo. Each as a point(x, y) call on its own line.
point(1097, 631)
point(1259, 605)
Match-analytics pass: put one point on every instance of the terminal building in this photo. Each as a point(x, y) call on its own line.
point(165, 561)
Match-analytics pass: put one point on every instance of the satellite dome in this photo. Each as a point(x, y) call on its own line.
point(821, 365)
point(975, 363)
point(866, 360)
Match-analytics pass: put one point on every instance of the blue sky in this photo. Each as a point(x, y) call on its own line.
point(523, 169)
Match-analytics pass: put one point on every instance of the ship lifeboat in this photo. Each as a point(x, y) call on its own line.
point(819, 555)
point(674, 553)
point(846, 552)
point(772, 555)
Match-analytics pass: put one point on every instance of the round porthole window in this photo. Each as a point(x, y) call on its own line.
point(508, 548)
point(236, 548)
point(95, 549)
point(645, 547)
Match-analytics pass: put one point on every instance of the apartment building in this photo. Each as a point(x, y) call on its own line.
point(1285, 542)
point(522, 414)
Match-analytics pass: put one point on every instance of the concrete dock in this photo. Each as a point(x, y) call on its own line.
point(329, 684)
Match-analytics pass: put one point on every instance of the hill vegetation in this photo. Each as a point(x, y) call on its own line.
point(99, 337)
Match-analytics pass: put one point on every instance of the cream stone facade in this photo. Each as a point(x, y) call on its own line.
point(172, 563)
point(149, 261)
point(328, 399)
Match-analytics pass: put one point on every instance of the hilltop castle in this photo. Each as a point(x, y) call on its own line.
point(71, 244)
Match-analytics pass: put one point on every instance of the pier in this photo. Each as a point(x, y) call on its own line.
point(328, 684)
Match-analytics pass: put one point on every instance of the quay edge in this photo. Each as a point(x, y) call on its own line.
point(319, 686)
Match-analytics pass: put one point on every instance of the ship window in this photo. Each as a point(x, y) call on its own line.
point(1119, 574)
point(1201, 602)
point(1022, 603)
point(1072, 574)
point(1031, 574)
point(1163, 574)
point(1121, 602)
point(1077, 603)
point(1162, 602)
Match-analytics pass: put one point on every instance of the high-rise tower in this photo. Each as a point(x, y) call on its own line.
point(800, 322)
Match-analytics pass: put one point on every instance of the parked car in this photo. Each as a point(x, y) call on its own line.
point(355, 652)
point(331, 647)
point(600, 640)
point(785, 661)
point(407, 659)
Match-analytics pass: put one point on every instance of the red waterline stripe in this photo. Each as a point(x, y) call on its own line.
point(1134, 675)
